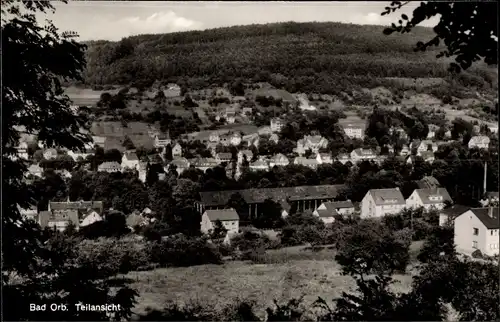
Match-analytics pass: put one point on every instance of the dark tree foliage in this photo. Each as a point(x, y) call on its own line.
point(468, 29)
point(33, 103)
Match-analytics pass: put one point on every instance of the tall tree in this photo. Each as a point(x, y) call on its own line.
point(34, 103)
point(468, 29)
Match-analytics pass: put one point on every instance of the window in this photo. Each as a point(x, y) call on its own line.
point(474, 244)
point(475, 231)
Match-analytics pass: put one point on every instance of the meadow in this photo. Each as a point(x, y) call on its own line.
point(281, 275)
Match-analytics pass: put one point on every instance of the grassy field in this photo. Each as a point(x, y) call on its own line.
point(288, 273)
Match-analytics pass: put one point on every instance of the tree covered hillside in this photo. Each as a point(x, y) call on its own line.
point(308, 57)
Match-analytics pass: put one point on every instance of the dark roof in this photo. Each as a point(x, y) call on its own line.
point(220, 198)
point(224, 155)
point(326, 213)
point(339, 204)
point(384, 196)
point(131, 156)
point(222, 214)
point(428, 182)
point(455, 210)
point(483, 214)
point(70, 216)
point(426, 194)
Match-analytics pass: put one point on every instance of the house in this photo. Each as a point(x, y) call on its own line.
point(223, 157)
point(35, 170)
point(177, 150)
point(259, 165)
point(87, 151)
point(448, 215)
point(137, 219)
point(490, 198)
point(300, 198)
point(235, 139)
point(405, 150)
point(326, 214)
point(181, 164)
point(143, 170)
point(50, 154)
point(22, 151)
point(279, 160)
point(162, 140)
point(112, 166)
point(251, 139)
point(277, 124)
point(341, 207)
point(354, 131)
point(433, 128)
point(228, 217)
point(381, 202)
point(477, 229)
point(30, 213)
point(360, 154)
point(230, 117)
point(214, 137)
point(311, 142)
point(91, 217)
point(481, 142)
point(428, 182)
point(434, 198)
point(204, 164)
point(324, 158)
point(343, 158)
point(99, 141)
point(274, 138)
point(79, 213)
point(58, 221)
point(310, 163)
point(245, 155)
point(130, 160)
point(426, 145)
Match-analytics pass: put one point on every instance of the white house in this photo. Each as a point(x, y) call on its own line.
point(432, 131)
point(361, 154)
point(35, 170)
point(177, 150)
point(447, 216)
point(277, 124)
point(354, 131)
point(259, 165)
point(426, 145)
point(50, 154)
point(279, 160)
point(490, 198)
point(91, 217)
point(130, 160)
point(204, 164)
point(343, 158)
point(181, 164)
point(99, 141)
point(235, 139)
point(223, 157)
point(228, 217)
point(311, 142)
point(310, 163)
point(162, 140)
point(274, 138)
point(30, 213)
point(324, 158)
point(214, 137)
point(341, 207)
point(22, 150)
point(433, 198)
point(110, 167)
point(326, 214)
point(381, 202)
point(477, 229)
point(87, 151)
point(481, 142)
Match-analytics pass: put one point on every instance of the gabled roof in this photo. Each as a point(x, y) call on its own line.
point(78, 205)
point(224, 155)
point(483, 214)
point(203, 162)
point(222, 215)
point(364, 152)
point(426, 195)
point(259, 164)
point(279, 157)
point(455, 210)
point(327, 213)
point(386, 196)
point(110, 165)
point(131, 156)
point(180, 162)
point(428, 182)
point(339, 204)
point(480, 139)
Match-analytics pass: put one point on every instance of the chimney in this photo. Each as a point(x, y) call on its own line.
point(490, 212)
point(485, 174)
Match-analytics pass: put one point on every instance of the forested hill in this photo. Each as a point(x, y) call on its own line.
point(319, 57)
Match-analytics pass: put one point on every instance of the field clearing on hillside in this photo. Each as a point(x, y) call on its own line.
point(288, 273)
point(115, 133)
point(85, 96)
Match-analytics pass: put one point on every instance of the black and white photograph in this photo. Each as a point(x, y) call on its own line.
point(250, 161)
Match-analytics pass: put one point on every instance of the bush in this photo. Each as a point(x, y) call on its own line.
point(477, 254)
point(180, 250)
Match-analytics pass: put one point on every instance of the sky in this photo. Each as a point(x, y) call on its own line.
point(113, 20)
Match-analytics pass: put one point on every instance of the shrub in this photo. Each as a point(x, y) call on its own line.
point(477, 254)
